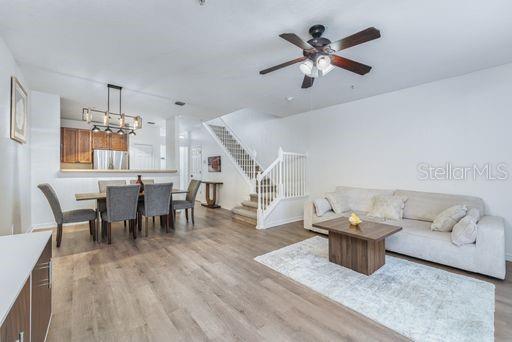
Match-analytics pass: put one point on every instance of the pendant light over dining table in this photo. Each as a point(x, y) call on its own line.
point(107, 120)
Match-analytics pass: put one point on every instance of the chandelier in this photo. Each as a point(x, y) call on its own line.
point(108, 121)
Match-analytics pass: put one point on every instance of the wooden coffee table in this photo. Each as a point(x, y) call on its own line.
point(360, 248)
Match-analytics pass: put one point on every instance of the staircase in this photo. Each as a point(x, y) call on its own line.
point(284, 179)
point(244, 159)
point(246, 163)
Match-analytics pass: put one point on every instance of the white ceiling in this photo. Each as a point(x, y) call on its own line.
point(209, 56)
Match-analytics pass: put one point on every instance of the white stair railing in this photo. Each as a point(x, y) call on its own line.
point(285, 178)
point(240, 155)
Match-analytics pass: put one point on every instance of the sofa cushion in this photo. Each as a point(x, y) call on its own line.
point(360, 199)
point(338, 202)
point(448, 218)
point(426, 206)
point(322, 206)
point(388, 207)
point(465, 230)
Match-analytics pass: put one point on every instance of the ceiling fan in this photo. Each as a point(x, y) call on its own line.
point(319, 57)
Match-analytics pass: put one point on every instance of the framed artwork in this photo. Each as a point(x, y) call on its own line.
point(19, 111)
point(214, 164)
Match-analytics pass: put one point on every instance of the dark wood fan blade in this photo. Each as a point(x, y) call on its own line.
point(308, 82)
point(283, 65)
point(350, 65)
point(356, 39)
point(296, 40)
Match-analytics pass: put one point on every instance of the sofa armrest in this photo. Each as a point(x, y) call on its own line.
point(309, 211)
point(490, 244)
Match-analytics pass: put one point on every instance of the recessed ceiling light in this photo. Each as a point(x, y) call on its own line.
point(151, 123)
point(289, 98)
point(179, 103)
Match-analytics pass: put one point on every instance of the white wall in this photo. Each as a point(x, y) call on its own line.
point(15, 169)
point(45, 164)
point(378, 142)
point(235, 189)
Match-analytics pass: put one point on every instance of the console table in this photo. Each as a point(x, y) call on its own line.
point(211, 202)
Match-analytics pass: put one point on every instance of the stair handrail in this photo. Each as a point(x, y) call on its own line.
point(251, 181)
point(288, 169)
point(252, 152)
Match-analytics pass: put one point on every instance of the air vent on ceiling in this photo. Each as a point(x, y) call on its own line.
point(179, 103)
point(151, 123)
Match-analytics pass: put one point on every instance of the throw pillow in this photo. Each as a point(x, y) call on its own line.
point(465, 231)
point(387, 207)
point(321, 206)
point(445, 221)
point(338, 201)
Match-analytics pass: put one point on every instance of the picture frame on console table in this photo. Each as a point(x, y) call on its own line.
point(214, 164)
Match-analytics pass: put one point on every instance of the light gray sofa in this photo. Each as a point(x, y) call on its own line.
point(416, 239)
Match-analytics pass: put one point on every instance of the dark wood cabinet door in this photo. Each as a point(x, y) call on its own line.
point(42, 294)
point(84, 146)
point(17, 321)
point(119, 142)
point(68, 146)
point(100, 141)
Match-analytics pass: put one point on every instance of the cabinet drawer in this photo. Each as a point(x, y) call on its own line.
point(42, 294)
point(16, 326)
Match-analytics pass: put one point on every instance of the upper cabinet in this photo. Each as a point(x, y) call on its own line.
point(119, 142)
point(76, 145)
point(84, 146)
point(68, 145)
point(100, 141)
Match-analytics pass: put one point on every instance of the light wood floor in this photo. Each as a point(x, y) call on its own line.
point(201, 283)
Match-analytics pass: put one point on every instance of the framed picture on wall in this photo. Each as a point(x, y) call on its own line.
point(214, 164)
point(19, 111)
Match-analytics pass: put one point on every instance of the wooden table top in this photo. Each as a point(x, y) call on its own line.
point(211, 182)
point(366, 230)
point(88, 196)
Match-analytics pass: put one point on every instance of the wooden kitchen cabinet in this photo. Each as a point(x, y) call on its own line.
point(77, 145)
point(16, 326)
point(101, 141)
point(84, 146)
point(26, 296)
point(119, 142)
point(42, 294)
point(68, 145)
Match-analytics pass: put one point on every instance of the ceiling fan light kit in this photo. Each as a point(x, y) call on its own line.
point(319, 53)
point(125, 123)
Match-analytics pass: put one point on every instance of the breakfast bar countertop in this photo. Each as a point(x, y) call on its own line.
point(119, 171)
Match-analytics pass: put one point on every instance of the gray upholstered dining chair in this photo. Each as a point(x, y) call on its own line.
point(189, 201)
point(121, 206)
point(157, 200)
point(102, 184)
point(102, 187)
point(72, 216)
point(145, 181)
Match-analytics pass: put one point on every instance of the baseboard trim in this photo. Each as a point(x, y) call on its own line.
point(275, 223)
point(508, 256)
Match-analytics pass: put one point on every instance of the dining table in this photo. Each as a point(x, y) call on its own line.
point(102, 197)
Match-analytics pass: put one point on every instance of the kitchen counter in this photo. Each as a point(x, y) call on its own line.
point(118, 171)
point(18, 255)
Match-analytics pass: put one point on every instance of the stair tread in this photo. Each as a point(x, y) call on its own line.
point(245, 212)
point(246, 220)
point(251, 204)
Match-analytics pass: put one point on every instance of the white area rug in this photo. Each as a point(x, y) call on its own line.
point(420, 302)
